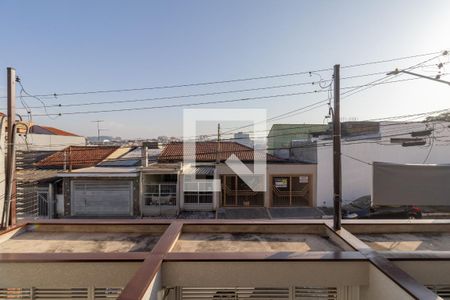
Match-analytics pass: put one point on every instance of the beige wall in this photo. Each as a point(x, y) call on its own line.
point(427, 272)
point(381, 287)
point(66, 274)
point(154, 290)
point(48, 142)
point(278, 169)
point(264, 274)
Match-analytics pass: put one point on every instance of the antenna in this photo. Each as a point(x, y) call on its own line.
point(99, 129)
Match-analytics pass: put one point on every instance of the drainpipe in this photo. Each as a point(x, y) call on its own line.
point(50, 201)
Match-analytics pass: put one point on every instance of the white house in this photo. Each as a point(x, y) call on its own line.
point(428, 144)
point(45, 138)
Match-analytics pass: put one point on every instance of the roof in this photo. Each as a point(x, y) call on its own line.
point(133, 157)
point(207, 152)
point(33, 175)
point(39, 129)
point(78, 156)
point(101, 172)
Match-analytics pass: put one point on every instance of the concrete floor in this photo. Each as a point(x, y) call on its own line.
point(245, 242)
point(407, 241)
point(58, 242)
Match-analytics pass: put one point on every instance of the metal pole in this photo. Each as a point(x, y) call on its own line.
point(218, 145)
point(10, 193)
point(395, 72)
point(98, 129)
point(337, 168)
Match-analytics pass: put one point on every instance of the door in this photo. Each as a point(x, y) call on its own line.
point(102, 198)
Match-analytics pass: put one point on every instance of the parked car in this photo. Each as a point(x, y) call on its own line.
point(362, 208)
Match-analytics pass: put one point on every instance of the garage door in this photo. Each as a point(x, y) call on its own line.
point(102, 198)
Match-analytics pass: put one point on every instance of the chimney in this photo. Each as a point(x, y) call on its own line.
point(144, 155)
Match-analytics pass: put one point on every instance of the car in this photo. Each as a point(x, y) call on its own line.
point(362, 208)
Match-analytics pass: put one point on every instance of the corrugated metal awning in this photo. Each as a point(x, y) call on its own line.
point(200, 170)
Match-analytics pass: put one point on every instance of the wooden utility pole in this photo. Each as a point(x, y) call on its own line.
point(10, 187)
point(218, 145)
point(337, 168)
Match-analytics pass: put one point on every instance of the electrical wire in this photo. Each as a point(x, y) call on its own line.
point(234, 80)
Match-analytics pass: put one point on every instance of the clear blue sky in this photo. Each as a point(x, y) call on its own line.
point(65, 46)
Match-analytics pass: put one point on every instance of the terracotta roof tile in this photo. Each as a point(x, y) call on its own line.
point(207, 152)
point(78, 156)
point(39, 129)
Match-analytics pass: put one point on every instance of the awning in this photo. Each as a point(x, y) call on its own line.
point(200, 170)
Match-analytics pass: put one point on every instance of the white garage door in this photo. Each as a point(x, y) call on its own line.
point(102, 198)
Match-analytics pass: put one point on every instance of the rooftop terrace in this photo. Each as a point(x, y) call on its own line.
point(205, 259)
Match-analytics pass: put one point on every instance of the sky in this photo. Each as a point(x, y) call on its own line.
point(77, 46)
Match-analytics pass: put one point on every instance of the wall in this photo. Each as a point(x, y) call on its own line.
point(48, 142)
point(66, 274)
point(381, 287)
point(427, 272)
point(264, 274)
point(155, 290)
point(357, 176)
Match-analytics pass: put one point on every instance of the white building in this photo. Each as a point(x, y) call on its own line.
point(243, 139)
point(358, 153)
point(44, 138)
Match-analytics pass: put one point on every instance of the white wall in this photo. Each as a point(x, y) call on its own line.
point(357, 176)
point(48, 142)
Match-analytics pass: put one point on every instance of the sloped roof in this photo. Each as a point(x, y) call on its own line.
point(78, 156)
point(35, 175)
point(39, 129)
point(207, 152)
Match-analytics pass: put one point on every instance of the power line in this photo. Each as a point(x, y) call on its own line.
point(351, 91)
point(184, 104)
point(213, 102)
point(233, 80)
point(312, 83)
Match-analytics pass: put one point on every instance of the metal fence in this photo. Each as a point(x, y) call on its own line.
point(31, 198)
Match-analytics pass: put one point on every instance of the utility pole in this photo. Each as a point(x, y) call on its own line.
point(9, 210)
point(218, 144)
point(337, 168)
point(98, 129)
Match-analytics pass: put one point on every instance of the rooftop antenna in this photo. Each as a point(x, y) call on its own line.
point(98, 129)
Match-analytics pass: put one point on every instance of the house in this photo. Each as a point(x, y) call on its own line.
point(75, 157)
point(123, 187)
point(46, 138)
point(288, 183)
point(101, 192)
